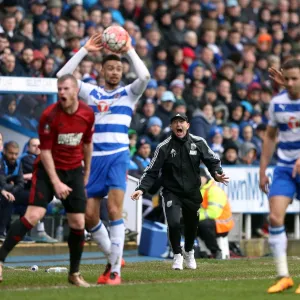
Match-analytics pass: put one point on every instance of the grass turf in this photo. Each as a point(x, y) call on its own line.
point(235, 279)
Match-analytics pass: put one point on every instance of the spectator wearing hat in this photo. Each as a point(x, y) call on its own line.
point(165, 109)
point(202, 121)
point(188, 58)
point(141, 159)
point(216, 138)
point(230, 154)
point(41, 30)
point(150, 92)
point(256, 118)
point(235, 134)
point(241, 92)
point(221, 113)
point(54, 10)
point(196, 71)
point(254, 91)
point(37, 63)
point(178, 29)
point(248, 154)
point(177, 87)
point(264, 43)
point(37, 7)
point(248, 109)
point(154, 132)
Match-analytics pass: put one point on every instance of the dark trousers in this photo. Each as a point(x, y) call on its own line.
point(7, 208)
point(173, 207)
point(208, 234)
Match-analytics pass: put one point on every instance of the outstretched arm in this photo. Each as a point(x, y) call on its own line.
point(140, 84)
point(93, 44)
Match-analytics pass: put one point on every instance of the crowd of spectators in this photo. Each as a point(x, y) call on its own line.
point(208, 59)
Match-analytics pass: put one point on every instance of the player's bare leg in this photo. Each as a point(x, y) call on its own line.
point(76, 243)
point(117, 234)
point(278, 243)
point(18, 230)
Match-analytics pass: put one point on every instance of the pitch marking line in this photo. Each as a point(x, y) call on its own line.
point(56, 287)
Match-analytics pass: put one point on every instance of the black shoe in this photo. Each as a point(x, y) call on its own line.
point(218, 255)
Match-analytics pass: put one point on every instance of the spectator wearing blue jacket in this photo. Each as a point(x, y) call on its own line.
point(202, 121)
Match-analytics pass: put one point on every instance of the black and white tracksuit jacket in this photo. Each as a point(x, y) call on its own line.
point(179, 160)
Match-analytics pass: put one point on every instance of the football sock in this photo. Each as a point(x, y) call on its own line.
point(100, 236)
point(117, 236)
point(16, 233)
point(76, 243)
point(40, 227)
point(278, 245)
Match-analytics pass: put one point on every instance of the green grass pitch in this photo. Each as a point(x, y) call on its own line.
point(234, 279)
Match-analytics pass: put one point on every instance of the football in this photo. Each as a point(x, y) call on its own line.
point(114, 38)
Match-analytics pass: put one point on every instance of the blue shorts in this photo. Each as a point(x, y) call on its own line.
point(283, 184)
point(107, 172)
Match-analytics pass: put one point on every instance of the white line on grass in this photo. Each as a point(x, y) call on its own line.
point(57, 287)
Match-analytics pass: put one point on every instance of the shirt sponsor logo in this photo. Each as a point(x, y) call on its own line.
point(193, 150)
point(293, 123)
point(47, 128)
point(69, 139)
point(173, 153)
point(169, 203)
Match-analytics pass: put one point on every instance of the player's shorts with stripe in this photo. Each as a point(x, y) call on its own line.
point(42, 190)
point(283, 184)
point(107, 172)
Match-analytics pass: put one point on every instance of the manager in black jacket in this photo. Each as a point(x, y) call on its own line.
point(178, 159)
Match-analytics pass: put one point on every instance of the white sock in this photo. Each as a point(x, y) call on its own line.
point(117, 236)
point(100, 236)
point(278, 245)
point(40, 226)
